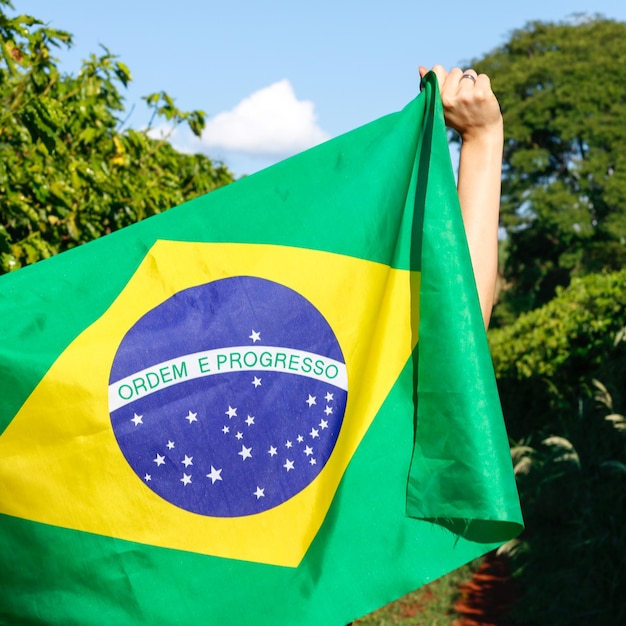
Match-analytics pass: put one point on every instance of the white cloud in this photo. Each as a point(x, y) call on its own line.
point(271, 122)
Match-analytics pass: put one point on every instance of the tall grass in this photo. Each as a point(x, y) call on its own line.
point(571, 560)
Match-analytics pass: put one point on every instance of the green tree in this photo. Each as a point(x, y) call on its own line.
point(68, 172)
point(562, 89)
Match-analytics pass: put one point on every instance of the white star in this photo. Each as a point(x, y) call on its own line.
point(288, 444)
point(328, 410)
point(300, 438)
point(272, 451)
point(323, 424)
point(231, 412)
point(147, 477)
point(137, 420)
point(259, 493)
point(216, 474)
point(288, 465)
point(308, 451)
point(314, 433)
point(226, 429)
point(186, 479)
point(312, 461)
point(160, 460)
point(310, 400)
point(245, 453)
point(329, 397)
point(250, 420)
point(188, 460)
point(191, 417)
point(170, 444)
point(239, 435)
point(256, 382)
point(255, 336)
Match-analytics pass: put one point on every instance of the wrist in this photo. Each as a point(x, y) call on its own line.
point(491, 136)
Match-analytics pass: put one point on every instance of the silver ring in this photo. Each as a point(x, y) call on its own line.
point(469, 76)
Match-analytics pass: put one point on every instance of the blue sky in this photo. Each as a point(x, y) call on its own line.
point(277, 76)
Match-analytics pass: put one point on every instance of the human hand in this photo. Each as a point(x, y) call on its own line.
point(470, 107)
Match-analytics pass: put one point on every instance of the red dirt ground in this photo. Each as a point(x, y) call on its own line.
point(486, 600)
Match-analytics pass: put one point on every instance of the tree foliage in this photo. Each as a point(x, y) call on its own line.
point(562, 89)
point(546, 359)
point(68, 172)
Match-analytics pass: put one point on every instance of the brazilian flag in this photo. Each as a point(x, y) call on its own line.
point(272, 405)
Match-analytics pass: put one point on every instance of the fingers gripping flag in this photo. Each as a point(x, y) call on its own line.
point(271, 405)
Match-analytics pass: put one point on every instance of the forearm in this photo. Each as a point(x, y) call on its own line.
point(480, 168)
point(472, 109)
